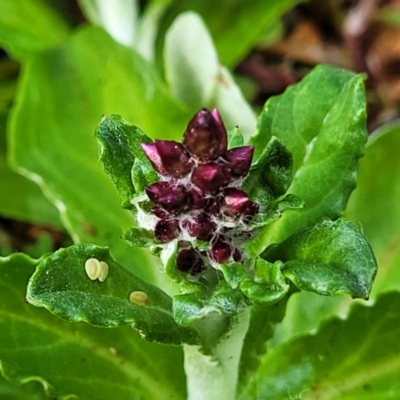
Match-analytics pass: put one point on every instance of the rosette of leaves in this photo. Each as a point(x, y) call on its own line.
point(216, 212)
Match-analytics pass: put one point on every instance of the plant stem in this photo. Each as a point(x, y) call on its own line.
point(215, 376)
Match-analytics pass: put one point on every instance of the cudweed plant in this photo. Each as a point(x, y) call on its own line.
point(238, 227)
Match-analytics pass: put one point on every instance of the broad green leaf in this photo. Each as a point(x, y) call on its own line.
point(20, 198)
point(95, 76)
point(102, 364)
point(29, 388)
point(333, 257)
point(356, 358)
point(376, 203)
point(321, 120)
point(62, 285)
point(119, 148)
point(30, 27)
point(235, 37)
point(197, 79)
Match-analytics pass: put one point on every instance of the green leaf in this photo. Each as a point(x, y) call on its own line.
point(102, 363)
point(197, 79)
point(224, 300)
point(322, 123)
point(271, 174)
point(235, 138)
point(119, 149)
point(376, 203)
point(95, 77)
point(62, 285)
point(268, 284)
point(22, 199)
point(30, 388)
point(139, 237)
point(143, 175)
point(27, 28)
point(330, 258)
point(356, 358)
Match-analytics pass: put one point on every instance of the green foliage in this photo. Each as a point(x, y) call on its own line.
point(330, 258)
point(347, 359)
point(62, 285)
point(119, 150)
point(102, 363)
point(376, 201)
point(27, 28)
point(325, 143)
point(238, 327)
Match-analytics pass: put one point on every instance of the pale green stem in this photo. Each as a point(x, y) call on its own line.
point(215, 376)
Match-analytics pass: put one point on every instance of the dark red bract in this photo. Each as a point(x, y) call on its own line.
point(198, 197)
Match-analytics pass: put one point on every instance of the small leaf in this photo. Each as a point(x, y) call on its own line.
point(271, 174)
point(235, 138)
point(189, 307)
point(268, 285)
point(143, 175)
point(119, 148)
point(61, 285)
point(330, 258)
point(139, 237)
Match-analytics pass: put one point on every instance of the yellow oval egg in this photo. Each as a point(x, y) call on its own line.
point(92, 268)
point(138, 298)
point(103, 271)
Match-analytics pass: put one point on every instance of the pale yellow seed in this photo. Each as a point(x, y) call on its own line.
point(103, 271)
point(92, 268)
point(138, 298)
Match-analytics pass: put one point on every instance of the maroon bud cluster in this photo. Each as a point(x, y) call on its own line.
point(198, 195)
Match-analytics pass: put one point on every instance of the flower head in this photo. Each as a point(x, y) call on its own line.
point(198, 196)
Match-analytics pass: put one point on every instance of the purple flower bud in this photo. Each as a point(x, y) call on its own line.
point(210, 177)
point(166, 230)
point(236, 202)
point(189, 260)
point(170, 197)
point(173, 157)
point(205, 136)
point(239, 160)
point(200, 227)
point(220, 251)
point(168, 158)
point(151, 151)
point(196, 200)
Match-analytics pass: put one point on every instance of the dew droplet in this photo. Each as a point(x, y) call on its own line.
point(92, 268)
point(138, 298)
